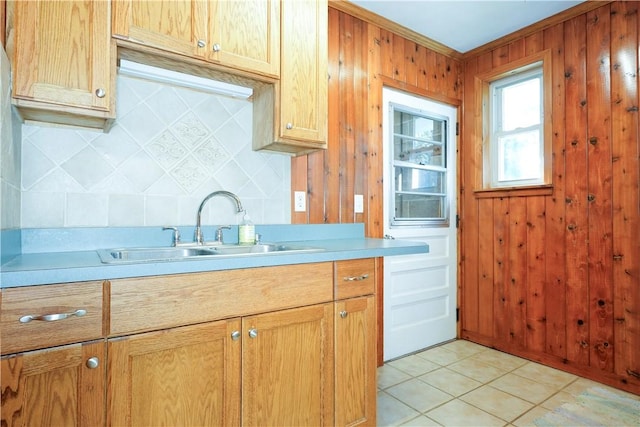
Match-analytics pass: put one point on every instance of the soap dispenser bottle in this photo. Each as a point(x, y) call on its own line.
point(246, 231)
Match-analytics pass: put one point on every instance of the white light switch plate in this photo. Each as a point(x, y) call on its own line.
point(358, 203)
point(299, 201)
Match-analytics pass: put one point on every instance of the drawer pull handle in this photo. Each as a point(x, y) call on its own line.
point(344, 314)
point(356, 278)
point(52, 317)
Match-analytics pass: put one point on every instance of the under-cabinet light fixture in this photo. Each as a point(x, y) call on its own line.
point(162, 75)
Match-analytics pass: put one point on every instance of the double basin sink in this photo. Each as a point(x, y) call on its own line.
point(130, 255)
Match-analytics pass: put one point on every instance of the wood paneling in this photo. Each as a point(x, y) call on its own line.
point(362, 58)
point(553, 276)
point(556, 277)
point(625, 42)
point(3, 23)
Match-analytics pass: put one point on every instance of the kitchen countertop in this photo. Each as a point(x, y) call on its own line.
point(62, 266)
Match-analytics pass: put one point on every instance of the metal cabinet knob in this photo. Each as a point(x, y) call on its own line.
point(100, 93)
point(253, 333)
point(93, 363)
point(343, 314)
point(235, 335)
point(289, 125)
point(216, 47)
point(201, 43)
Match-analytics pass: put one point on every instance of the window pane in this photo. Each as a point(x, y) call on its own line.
point(417, 152)
point(417, 126)
point(418, 180)
point(519, 156)
point(419, 168)
point(419, 207)
point(521, 104)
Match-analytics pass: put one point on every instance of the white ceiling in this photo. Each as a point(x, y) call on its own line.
point(465, 24)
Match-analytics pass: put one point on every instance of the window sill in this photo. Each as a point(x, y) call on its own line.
point(538, 190)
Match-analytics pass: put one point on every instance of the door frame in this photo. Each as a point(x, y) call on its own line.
point(384, 81)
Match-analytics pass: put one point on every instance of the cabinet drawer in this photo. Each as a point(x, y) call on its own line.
point(355, 278)
point(150, 303)
point(49, 300)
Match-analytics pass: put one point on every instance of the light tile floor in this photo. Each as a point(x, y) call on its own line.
point(465, 384)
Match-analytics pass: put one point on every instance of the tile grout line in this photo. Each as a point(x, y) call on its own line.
point(482, 384)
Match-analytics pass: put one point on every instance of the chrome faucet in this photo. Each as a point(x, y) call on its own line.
point(198, 237)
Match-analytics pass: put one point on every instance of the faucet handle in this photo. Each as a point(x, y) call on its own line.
point(176, 234)
point(219, 236)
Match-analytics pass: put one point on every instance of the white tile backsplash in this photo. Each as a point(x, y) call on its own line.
point(168, 148)
point(126, 210)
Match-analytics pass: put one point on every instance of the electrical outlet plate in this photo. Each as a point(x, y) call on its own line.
point(358, 203)
point(299, 201)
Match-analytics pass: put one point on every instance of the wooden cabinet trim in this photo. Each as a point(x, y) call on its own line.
point(171, 301)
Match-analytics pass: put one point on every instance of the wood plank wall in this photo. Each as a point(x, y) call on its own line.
point(557, 278)
point(362, 58)
point(3, 21)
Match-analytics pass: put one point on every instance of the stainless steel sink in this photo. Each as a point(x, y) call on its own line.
point(261, 248)
point(151, 254)
point(133, 255)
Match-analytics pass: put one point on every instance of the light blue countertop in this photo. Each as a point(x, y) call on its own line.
point(43, 262)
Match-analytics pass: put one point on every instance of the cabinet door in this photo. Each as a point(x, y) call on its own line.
point(188, 376)
point(178, 26)
point(355, 329)
point(62, 53)
point(62, 386)
point(246, 34)
point(287, 373)
point(303, 83)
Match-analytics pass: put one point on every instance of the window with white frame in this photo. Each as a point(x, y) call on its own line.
point(419, 166)
point(516, 125)
point(517, 133)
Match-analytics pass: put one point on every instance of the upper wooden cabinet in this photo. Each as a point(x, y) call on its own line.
point(291, 116)
point(237, 34)
point(62, 61)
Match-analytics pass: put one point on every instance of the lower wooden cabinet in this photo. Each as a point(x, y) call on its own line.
point(60, 386)
point(284, 358)
point(287, 368)
point(279, 365)
point(355, 362)
point(187, 376)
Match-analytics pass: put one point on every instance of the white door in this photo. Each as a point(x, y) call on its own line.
point(420, 204)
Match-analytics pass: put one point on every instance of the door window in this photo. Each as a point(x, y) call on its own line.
point(419, 168)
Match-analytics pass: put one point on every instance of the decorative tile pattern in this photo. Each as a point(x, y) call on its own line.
point(168, 148)
point(211, 154)
point(190, 174)
point(190, 130)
